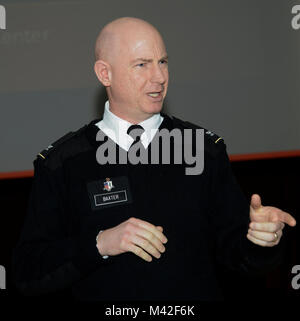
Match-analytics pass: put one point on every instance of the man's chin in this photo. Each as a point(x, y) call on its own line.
point(154, 108)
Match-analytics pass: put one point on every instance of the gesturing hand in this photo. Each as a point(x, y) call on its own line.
point(267, 223)
point(134, 235)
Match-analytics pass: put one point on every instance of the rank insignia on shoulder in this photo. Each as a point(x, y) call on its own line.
point(108, 185)
point(43, 154)
point(213, 136)
point(208, 132)
point(50, 146)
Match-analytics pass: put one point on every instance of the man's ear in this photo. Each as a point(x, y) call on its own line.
point(102, 70)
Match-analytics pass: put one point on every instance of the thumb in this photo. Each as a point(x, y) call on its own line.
point(255, 201)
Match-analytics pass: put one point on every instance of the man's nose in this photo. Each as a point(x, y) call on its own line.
point(158, 75)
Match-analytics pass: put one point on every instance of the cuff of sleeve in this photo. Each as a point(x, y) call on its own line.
point(87, 257)
point(262, 259)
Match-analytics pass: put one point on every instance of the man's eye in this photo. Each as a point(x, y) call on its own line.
point(163, 61)
point(141, 64)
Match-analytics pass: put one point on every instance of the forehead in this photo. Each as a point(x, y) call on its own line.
point(144, 44)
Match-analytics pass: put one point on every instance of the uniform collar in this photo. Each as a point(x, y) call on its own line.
point(116, 128)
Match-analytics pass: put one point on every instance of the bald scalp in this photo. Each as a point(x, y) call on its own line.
point(110, 37)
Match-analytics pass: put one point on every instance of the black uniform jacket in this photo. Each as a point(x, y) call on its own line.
point(205, 218)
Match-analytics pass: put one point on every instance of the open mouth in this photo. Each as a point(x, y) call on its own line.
point(155, 95)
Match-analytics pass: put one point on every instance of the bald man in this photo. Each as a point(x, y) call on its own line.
point(132, 64)
point(138, 232)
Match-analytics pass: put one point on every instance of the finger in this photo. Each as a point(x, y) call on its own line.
point(265, 236)
point(152, 229)
point(255, 201)
point(160, 228)
point(260, 242)
point(150, 237)
point(146, 245)
point(285, 218)
point(266, 226)
point(139, 252)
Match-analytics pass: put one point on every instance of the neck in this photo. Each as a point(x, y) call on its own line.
point(133, 118)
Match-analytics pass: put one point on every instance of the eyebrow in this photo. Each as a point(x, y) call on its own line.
point(147, 60)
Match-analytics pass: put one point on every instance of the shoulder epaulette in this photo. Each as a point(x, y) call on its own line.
point(43, 154)
point(65, 147)
point(208, 133)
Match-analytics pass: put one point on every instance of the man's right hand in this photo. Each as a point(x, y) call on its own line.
point(134, 235)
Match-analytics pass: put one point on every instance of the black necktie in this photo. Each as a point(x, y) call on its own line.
point(135, 131)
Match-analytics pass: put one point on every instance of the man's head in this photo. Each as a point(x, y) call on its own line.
point(132, 63)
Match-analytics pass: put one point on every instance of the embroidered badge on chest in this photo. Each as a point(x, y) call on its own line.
point(109, 192)
point(108, 185)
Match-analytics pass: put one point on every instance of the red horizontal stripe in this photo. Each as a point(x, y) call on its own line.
point(21, 174)
point(268, 155)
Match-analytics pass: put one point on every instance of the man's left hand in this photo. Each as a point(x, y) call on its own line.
point(267, 223)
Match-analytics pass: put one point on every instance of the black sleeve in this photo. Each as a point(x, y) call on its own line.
point(231, 222)
point(46, 257)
